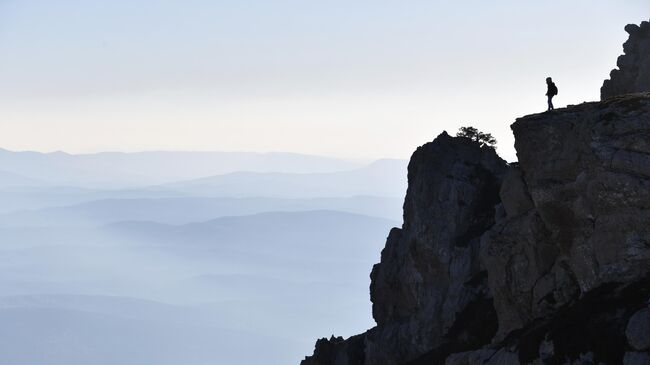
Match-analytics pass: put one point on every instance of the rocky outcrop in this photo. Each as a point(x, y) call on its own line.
point(429, 271)
point(545, 261)
point(587, 170)
point(633, 73)
point(429, 277)
point(586, 239)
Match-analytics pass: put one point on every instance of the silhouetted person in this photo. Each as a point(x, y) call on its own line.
point(551, 91)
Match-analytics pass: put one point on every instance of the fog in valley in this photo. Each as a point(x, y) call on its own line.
point(187, 258)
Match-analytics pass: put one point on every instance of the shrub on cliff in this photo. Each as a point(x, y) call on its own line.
point(485, 139)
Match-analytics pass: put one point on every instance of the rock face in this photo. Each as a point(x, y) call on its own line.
point(587, 170)
point(429, 277)
point(633, 73)
point(429, 270)
point(546, 261)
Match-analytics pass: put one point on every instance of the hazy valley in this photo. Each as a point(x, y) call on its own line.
point(182, 267)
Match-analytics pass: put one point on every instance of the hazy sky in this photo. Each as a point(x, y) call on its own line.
point(361, 79)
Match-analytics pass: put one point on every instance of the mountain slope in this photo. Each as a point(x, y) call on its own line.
point(381, 178)
point(116, 169)
point(183, 210)
point(289, 234)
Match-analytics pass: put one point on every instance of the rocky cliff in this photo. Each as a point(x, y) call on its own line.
point(544, 261)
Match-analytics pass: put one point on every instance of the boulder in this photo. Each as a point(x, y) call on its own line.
point(638, 330)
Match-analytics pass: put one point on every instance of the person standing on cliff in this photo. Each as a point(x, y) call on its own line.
point(551, 91)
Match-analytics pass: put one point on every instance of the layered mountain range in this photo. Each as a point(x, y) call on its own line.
point(543, 261)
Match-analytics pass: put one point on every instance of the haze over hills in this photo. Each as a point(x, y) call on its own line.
point(293, 233)
point(209, 280)
point(62, 336)
point(17, 198)
point(117, 169)
point(180, 210)
point(10, 179)
point(201, 248)
point(373, 179)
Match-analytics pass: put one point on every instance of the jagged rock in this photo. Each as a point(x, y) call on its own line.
point(514, 195)
point(429, 276)
point(638, 330)
point(422, 280)
point(633, 73)
point(337, 351)
point(517, 255)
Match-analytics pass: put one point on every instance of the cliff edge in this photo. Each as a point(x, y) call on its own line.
point(544, 261)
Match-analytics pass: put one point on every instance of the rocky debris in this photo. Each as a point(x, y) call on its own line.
point(542, 262)
point(633, 73)
point(638, 330)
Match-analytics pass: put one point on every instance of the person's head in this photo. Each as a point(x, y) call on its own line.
point(548, 80)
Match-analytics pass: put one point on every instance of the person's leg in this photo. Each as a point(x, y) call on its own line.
point(550, 102)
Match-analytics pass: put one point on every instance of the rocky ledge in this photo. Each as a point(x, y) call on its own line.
point(544, 261)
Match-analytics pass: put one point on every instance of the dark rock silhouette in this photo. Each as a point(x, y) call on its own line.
point(545, 261)
point(633, 73)
point(429, 269)
point(429, 276)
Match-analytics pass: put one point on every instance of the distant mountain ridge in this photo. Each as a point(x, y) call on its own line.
point(293, 232)
point(118, 169)
point(181, 210)
point(378, 178)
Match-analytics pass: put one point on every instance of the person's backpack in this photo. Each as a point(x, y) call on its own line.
point(553, 89)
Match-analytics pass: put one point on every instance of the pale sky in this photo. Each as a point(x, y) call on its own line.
point(356, 79)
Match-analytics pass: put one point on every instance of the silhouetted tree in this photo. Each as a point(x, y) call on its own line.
point(485, 139)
